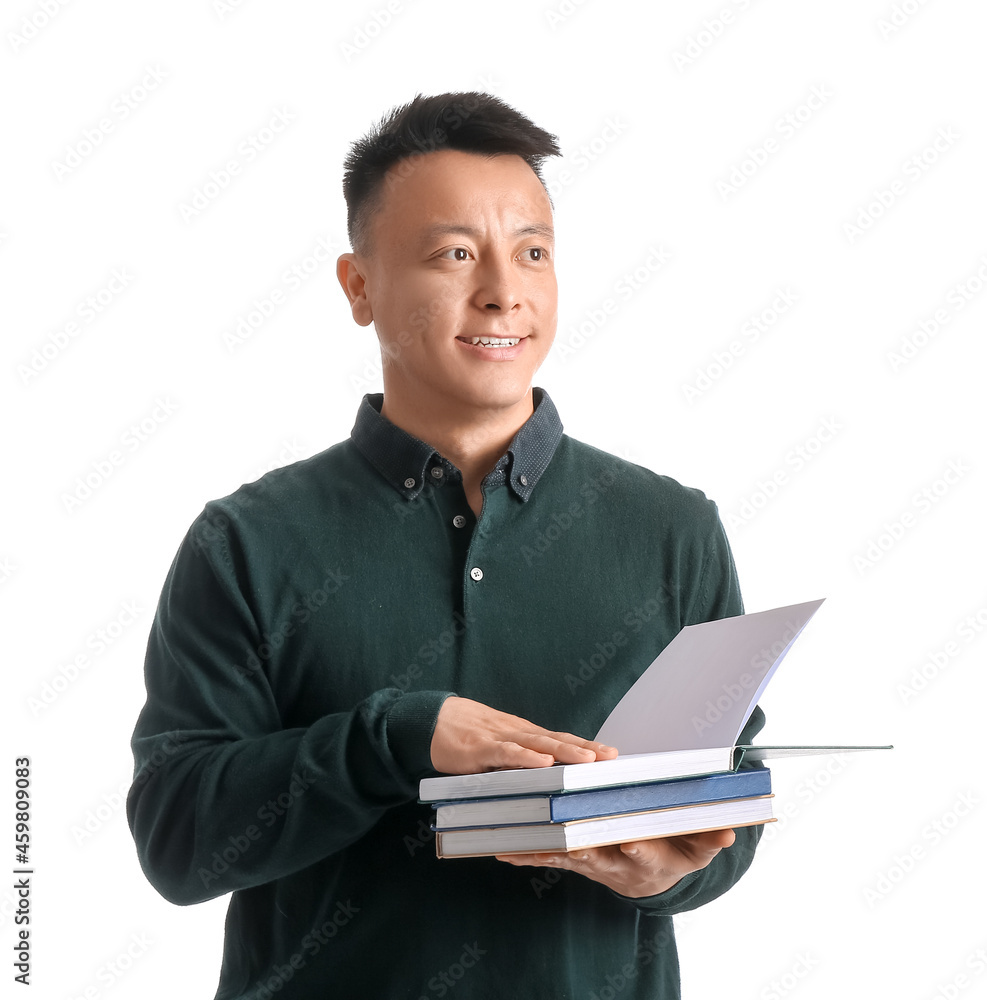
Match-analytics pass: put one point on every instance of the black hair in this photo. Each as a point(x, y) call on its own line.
point(471, 121)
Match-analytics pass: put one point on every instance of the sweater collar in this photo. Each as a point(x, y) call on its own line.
point(407, 462)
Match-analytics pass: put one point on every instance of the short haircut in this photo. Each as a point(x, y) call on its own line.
point(471, 121)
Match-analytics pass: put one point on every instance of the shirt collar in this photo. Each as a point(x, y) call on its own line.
point(405, 461)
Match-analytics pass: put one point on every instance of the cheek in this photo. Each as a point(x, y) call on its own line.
point(435, 311)
point(400, 312)
point(547, 309)
point(545, 296)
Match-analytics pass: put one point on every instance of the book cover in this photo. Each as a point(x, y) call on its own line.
point(593, 803)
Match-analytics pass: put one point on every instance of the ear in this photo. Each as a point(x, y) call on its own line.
point(350, 270)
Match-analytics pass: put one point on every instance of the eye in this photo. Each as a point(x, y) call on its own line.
point(455, 253)
point(534, 254)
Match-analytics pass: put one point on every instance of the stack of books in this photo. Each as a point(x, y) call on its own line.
point(572, 817)
point(681, 772)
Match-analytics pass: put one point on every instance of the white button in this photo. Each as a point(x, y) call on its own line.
point(476, 573)
point(459, 521)
point(524, 480)
point(436, 473)
point(409, 482)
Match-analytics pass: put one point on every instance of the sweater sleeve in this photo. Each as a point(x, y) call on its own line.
point(717, 595)
point(224, 797)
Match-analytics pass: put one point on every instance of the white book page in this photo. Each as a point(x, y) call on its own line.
point(702, 687)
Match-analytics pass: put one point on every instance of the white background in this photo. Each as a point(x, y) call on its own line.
point(817, 440)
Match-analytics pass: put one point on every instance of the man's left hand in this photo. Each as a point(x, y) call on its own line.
point(641, 868)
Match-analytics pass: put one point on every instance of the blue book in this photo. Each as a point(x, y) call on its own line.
point(565, 807)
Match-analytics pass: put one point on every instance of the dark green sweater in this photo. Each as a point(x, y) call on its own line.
point(308, 632)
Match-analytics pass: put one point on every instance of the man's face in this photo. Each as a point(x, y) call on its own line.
point(461, 248)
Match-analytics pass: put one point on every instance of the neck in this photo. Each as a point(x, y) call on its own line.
point(472, 438)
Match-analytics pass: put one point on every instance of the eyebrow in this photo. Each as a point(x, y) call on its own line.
point(453, 229)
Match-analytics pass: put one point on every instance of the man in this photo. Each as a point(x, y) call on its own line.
point(403, 603)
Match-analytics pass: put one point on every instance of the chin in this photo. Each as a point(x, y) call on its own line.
point(493, 400)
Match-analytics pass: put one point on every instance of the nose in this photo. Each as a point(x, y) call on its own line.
point(497, 285)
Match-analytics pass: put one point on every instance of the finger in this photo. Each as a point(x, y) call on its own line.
point(567, 753)
point(706, 844)
point(682, 854)
point(718, 839)
point(535, 860)
point(546, 743)
point(602, 864)
point(638, 851)
point(579, 859)
point(601, 750)
point(564, 747)
point(510, 754)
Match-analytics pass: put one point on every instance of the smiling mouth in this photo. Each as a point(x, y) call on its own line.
point(491, 341)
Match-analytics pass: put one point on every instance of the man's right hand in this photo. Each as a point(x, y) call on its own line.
point(471, 737)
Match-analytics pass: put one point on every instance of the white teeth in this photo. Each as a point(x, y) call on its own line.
point(496, 341)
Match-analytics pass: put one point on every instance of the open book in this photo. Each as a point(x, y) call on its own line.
point(682, 717)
